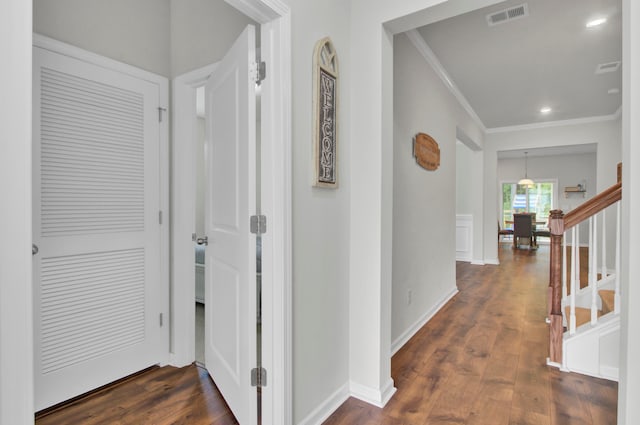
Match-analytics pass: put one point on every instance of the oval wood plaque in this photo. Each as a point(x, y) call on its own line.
point(426, 151)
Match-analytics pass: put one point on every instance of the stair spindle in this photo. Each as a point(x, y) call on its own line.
point(593, 275)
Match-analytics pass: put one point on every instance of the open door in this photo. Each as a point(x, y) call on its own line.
point(230, 275)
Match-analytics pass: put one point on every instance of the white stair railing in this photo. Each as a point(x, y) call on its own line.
point(559, 225)
point(573, 294)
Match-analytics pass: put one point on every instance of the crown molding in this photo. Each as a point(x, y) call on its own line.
point(548, 124)
point(418, 41)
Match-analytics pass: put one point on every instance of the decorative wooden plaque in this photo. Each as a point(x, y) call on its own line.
point(325, 106)
point(426, 151)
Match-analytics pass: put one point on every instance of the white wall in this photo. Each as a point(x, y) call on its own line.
point(606, 134)
point(200, 178)
point(464, 194)
point(16, 310)
point(569, 170)
point(469, 192)
point(133, 32)
point(201, 32)
point(629, 393)
point(424, 202)
point(320, 219)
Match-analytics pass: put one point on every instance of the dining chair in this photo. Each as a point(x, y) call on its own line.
point(522, 228)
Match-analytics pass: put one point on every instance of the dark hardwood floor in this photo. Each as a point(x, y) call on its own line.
point(160, 396)
point(480, 361)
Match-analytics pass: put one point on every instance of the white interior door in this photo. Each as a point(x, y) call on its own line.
point(230, 274)
point(96, 198)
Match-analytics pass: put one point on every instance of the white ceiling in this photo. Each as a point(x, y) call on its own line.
point(508, 72)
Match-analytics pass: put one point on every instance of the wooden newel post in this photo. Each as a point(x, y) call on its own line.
point(556, 226)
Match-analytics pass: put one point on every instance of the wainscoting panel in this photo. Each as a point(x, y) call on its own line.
point(464, 237)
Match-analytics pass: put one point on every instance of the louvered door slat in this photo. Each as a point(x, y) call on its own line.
point(97, 197)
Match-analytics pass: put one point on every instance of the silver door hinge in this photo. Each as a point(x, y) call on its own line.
point(160, 111)
point(258, 224)
point(259, 377)
point(259, 72)
point(161, 319)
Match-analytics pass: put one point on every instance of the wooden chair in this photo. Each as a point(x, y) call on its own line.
point(503, 232)
point(542, 231)
point(522, 228)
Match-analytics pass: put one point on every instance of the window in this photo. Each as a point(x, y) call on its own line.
point(538, 199)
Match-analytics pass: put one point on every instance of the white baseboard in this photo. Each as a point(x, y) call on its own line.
point(610, 373)
point(477, 263)
point(411, 331)
point(378, 398)
point(325, 409)
point(492, 261)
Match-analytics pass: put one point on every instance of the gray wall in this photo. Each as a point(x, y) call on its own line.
point(424, 202)
point(135, 32)
point(201, 32)
point(320, 219)
point(166, 37)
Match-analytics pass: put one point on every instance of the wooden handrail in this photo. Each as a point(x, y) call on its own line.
point(593, 206)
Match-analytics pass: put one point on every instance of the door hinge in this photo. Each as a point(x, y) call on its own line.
point(259, 377)
point(160, 111)
point(260, 72)
point(161, 319)
point(159, 217)
point(258, 224)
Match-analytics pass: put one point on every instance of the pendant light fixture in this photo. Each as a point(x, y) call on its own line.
point(526, 181)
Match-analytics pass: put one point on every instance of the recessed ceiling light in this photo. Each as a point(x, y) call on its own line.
point(613, 91)
point(596, 22)
point(545, 110)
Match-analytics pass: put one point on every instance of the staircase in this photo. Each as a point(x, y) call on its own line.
point(584, 299)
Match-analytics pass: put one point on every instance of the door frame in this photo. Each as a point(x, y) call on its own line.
point(274, 18)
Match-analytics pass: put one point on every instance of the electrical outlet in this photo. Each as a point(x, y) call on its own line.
point(409, 297)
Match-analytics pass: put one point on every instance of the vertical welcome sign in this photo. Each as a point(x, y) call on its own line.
point(325, 106)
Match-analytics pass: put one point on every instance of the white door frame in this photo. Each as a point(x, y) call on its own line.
point(275, 23)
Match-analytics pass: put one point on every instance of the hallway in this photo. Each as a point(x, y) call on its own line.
point(481, 360)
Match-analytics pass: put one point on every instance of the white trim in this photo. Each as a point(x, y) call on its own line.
point(16, 298)
point(378, 398)
point(560, 123)
point(423, 320)
point(492, 261)
point(423, 48)
point(610, 373)
point(276, 204)
point(327, 407)
point(261, 11)
point(477, 263)
point(184, 128)
point(62, 48)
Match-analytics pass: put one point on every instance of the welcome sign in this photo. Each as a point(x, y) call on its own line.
point(325, 101)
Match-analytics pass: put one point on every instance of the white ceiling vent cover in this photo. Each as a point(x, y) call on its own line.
point(607, 67)
point(507, 15)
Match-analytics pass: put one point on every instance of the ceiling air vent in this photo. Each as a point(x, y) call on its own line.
point(607, 67)
point(507, 15)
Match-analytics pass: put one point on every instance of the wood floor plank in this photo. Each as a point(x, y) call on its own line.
point(479, 361)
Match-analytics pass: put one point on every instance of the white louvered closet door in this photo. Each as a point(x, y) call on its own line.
point(96, 202)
